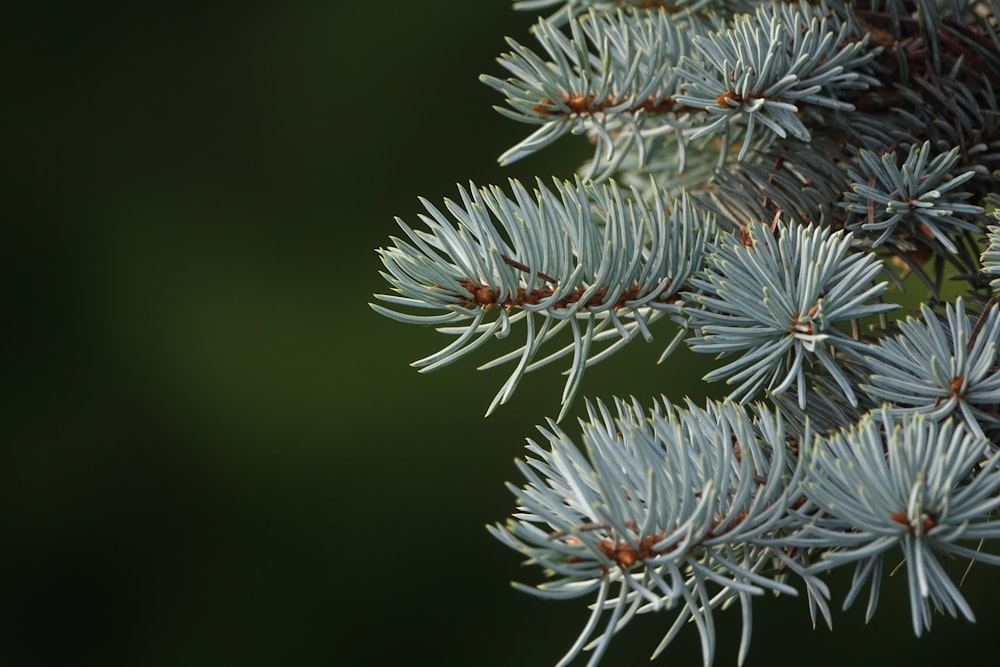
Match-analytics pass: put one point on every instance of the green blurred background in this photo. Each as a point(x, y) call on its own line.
point(214, 452)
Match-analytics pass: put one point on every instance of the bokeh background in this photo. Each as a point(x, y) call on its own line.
point(213, 451)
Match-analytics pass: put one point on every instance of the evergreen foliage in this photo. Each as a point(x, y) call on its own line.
point(774, 184)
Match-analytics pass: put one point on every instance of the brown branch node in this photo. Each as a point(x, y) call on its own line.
point(580, 105)
point(485, 296)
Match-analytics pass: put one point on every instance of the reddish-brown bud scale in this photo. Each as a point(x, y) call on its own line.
point(724, 99)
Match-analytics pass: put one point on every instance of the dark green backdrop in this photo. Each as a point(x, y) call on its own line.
point(213, 451)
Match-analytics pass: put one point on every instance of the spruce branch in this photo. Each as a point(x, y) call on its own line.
point(581, 257)
point(938, 69)
point(765, 67)
point(941, 369)
point(775, 300)
point(908, 482)
point(668, 510)
point(915, 199)
point(612, 78)
point(625, 79)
